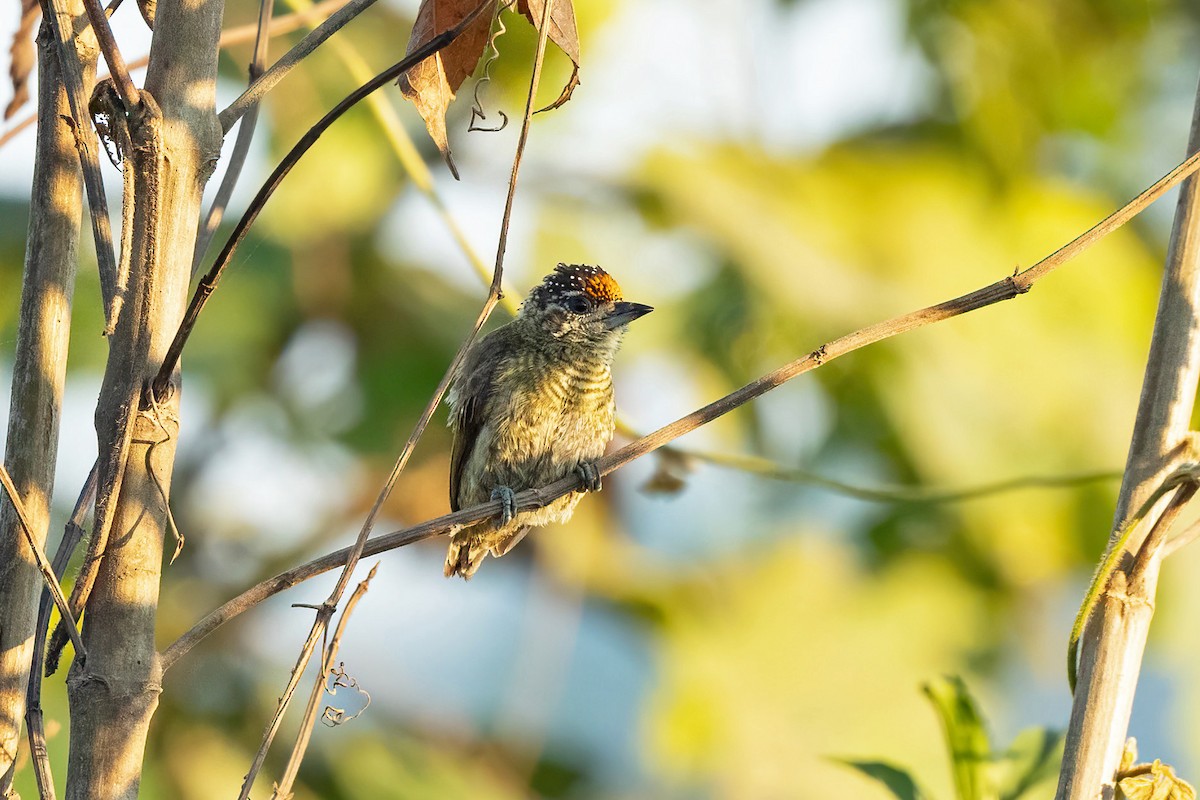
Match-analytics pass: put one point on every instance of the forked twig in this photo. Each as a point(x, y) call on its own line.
point(327, 608)
point(416, 169)
point(1183, 482)
point(1005, 289)
point(283, 789)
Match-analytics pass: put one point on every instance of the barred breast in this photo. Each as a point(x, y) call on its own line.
point(548, 427)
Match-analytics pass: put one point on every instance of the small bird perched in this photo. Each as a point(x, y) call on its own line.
point(531, 403)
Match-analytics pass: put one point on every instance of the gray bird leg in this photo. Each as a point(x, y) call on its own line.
point(508, 500)
point(587, 472)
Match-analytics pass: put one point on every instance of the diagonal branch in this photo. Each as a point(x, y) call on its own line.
point(112, 54)
point(43, 564)
point(325, 611)
point(414, 166)
point(86, 143)
point(284, 788)
point(208, 283)
point(1005, 289)
point(38, 377)
point(914, 495)
point(260, 85)
point(34, 722)
point(238, 35)
point(241, 145)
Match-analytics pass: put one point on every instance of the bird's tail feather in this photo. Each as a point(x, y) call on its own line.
point(508, 542)
point(464, 557)
point(466, 553)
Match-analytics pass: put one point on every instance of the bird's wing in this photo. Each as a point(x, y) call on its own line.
point(474, 384)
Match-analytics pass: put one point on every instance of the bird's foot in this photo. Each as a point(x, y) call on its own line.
point(589, 475)
point(508, 503)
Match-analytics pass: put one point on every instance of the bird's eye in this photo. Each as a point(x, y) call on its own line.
point(579, 305)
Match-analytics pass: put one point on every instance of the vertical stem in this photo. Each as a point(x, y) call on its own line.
point(39, 373)
point(175, 144)
point(76, 47)
point(1115, 638)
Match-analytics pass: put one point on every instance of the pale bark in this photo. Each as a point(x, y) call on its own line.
point(176, 142)
point(39, 372)
point(1115, 638)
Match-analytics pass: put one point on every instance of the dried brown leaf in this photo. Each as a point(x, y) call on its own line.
point(671, 469)
point(21, 56)
point(562, 24)
point(563, 33)
point(1156, 781)
point(432, 84)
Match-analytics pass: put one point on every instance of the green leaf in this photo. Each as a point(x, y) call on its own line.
point(966, 738)
point(898, 781)
point(1032, 758)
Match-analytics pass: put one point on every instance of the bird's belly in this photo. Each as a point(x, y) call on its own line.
point(539, 434)
point(542, 442)
point(547, 432)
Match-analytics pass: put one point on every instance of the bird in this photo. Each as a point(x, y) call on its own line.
point(532, 402)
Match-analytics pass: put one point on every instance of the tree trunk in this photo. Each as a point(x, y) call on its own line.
point(176, 141)
point(39, 372)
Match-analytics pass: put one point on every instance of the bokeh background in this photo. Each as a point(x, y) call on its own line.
point(769, 174)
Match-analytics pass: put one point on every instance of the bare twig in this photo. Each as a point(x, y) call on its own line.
point(38, 375)
point(289, 60)
point(175, 138)
point(283, 24)
point(112, 54)
point(414, 166)
point(239, 35)
point(208, 283)
point(917, 495)
point(43, 565)
point(106, 103)
point(1005, 289)
point(283, 790)
point(1181, 539)
point(241, 145)
point(327, 608)
point(16, 128)
point(86, 143)
point(34, 722)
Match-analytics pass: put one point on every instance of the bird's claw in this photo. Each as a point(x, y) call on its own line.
point(589, 475)
point(508, 503)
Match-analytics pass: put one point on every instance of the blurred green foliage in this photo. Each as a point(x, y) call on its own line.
point(980, 772)
point(730, 641)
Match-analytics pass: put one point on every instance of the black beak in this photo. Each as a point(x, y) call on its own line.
point(624, 313)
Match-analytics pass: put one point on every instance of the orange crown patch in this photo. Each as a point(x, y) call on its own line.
point(591, 281)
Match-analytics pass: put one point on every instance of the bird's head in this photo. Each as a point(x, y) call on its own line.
point(581, 304)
